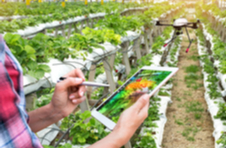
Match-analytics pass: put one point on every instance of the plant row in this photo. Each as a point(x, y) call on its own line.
point(42, 47)
point(218, 47)
point(213, 98)
point(55, 8)
point(60, 14)
point(216, 11)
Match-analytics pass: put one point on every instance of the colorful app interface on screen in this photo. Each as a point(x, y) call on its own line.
point(145, 81)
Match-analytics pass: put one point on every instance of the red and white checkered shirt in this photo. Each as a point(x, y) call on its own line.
point(14, 129)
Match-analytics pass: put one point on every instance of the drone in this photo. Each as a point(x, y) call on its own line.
point(178, 24)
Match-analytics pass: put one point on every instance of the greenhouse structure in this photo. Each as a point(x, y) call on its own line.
point(113, 73)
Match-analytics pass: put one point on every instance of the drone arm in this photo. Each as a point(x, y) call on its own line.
point(164, 25)
point(192, 25)
point(158, 24)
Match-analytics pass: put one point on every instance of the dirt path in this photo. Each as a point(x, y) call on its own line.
point(189, 124)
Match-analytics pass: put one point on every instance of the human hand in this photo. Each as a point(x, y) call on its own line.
point(131, 119)
point(68, 94)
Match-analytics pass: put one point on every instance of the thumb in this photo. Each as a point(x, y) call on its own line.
point(71, 81)
point(141, 102)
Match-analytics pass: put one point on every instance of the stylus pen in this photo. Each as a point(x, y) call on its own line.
point(87, 83)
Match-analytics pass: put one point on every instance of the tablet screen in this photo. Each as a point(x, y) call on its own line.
point(144, 81)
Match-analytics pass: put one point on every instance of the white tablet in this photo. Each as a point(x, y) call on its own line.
point(146, 80)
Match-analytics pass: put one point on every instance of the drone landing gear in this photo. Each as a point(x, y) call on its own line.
point(174, 36)
point(189, 46)
point(190, 40)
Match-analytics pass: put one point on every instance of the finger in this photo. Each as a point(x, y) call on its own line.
point(76, 73)
point(78, 94)
point(81, 90)
point(74, 95)
point(141, 102)
point(144, 111)
point(78, 100)
point(69, 82)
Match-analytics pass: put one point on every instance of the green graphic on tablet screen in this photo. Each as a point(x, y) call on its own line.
point(143, 82)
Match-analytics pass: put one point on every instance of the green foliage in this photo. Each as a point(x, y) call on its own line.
point(192, 69)
point(98, 93)
point(26, 55)
point(102, 35)
point(44, 100)
point(179, 122)
point(194, 107)
point(215, 10)
point(80, 42)
point(47, 12)
point(119, 24)
point(221, 114)
point(166, 32)
point(87, 131)
point(42, 44)
point(163, 93)
point(157, 45)
point(146, 141)
point(190, 132)
point(222, 140)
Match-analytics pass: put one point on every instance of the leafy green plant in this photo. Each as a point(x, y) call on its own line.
point(80, 42)
point(85, 131)
point(192, 69)
point(146, 141)
point(26, 55)
point(222, 140)
point(221, 114)
point(101, 36)
point(163, 93)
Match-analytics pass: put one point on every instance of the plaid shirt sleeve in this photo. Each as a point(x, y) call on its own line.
point(14, 129)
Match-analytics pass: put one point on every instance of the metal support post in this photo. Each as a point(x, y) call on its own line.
point(56, 32)
point(136, 47)
point(75, 27)
point(91, 78)
point(63, 30)
point(69, 30)
point(124, 47)
point(109, 75)
point(146, 42)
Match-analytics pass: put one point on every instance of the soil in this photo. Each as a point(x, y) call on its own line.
point(178, 120)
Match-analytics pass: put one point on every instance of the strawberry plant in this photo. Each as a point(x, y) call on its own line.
point(80, 42)
point(87, 132)
point(101, 36)
point(26, 55)
point(222, 140)
point(221, 114)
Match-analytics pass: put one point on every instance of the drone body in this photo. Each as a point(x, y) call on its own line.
point(178, 24)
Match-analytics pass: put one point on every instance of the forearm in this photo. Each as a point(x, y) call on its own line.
point(113, 140)
point(43, 117)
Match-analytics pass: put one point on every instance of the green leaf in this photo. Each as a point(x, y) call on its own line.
point(46, 68)
point(29, 49)
point(37, 74)
point(92, 121)
point(86, 114)
point(81, 140)
point(32, 65)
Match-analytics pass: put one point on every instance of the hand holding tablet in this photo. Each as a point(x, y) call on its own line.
point(146, 80)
